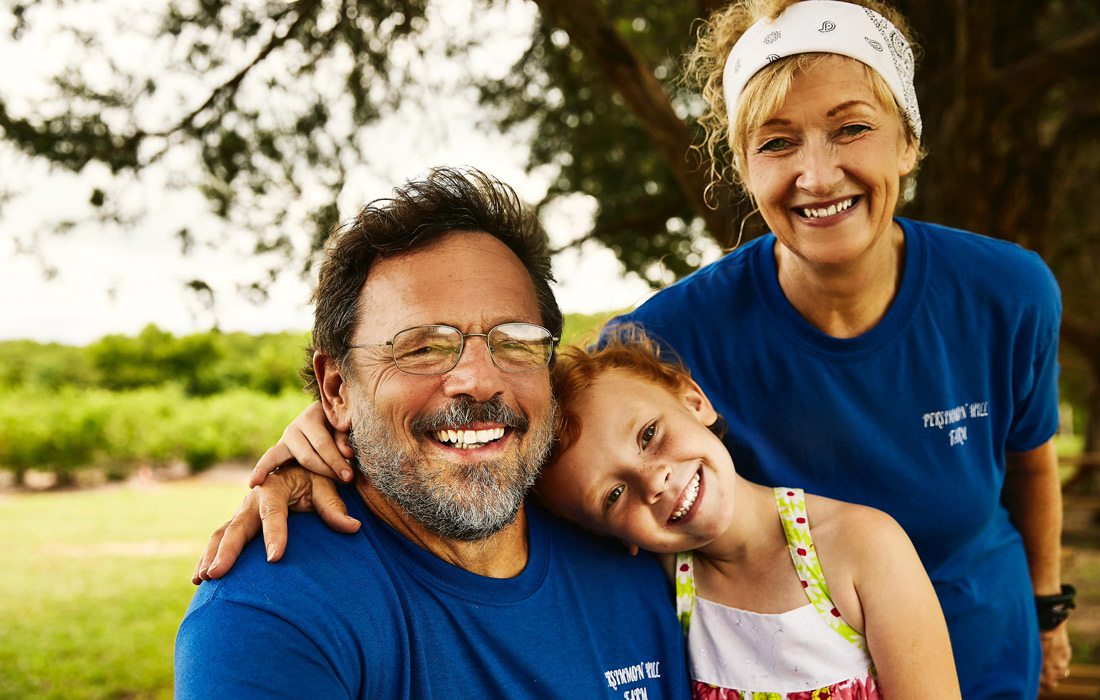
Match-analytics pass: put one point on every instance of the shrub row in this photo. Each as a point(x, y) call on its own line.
point(156, 398)
point(201, 364)
point(72, 428)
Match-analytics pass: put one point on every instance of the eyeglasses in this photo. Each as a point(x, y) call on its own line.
point(435, 349)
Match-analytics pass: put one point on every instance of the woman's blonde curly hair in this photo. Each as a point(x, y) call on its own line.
point(768, 89)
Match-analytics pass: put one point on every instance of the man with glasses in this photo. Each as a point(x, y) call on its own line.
point(433, 335)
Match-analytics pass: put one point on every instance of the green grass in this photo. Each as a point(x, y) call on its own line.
point(95, 585)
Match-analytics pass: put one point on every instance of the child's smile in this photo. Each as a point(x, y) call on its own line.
point(688, 498)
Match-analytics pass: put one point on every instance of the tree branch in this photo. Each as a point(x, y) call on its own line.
point(638, 220)
point(1080, 336)
point(303, 8)
point(632, 78)
point(1034, 73)
point(1082, 121)
point(709, 7)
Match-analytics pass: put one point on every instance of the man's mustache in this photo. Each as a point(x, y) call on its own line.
point(464, 411)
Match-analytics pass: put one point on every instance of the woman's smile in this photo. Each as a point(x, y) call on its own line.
point(826, 212)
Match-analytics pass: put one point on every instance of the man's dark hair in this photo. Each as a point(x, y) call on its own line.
point(421, 211)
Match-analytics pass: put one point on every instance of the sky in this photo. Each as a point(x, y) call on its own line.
point(94, 280)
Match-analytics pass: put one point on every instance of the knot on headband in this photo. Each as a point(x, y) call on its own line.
point(825, 26)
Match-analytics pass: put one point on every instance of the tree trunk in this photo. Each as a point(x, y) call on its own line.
point(66, 478)
point(632, 78)
point(1085, 343)
point(1092, 406)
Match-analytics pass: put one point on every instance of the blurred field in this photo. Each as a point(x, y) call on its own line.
point(96, 582)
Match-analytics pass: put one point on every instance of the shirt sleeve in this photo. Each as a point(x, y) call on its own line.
point(226, 649)
point(1036, 369)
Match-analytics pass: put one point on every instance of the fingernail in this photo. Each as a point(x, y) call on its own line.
point(272, 550)
point(345, 475)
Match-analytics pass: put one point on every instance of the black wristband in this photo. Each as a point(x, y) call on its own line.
point(1054, 609)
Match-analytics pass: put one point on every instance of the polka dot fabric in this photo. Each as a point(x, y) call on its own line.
point(796, 525)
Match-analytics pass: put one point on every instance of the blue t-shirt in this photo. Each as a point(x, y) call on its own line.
point(372, 615)
point(913, 417)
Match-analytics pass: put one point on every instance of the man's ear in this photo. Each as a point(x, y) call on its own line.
point(334, 391)
point(697, 402)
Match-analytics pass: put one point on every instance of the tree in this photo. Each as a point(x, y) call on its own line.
point(1015, 146)
point(283, 91)
point(1009, 90)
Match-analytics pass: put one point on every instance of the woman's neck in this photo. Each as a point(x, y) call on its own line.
point(844, 301)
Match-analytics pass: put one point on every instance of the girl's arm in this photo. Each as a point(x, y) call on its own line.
point(903, 622)
point(264, 510)
point(308, 441)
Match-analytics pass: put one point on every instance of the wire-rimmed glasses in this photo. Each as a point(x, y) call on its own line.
point(437, 348)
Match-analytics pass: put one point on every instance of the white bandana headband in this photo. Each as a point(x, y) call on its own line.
point(825, 26)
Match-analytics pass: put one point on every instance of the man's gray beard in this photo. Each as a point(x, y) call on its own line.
point(458, 502)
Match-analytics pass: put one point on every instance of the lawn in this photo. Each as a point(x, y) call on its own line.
point(96, 583)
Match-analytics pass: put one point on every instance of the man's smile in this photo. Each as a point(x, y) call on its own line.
point(465, 438)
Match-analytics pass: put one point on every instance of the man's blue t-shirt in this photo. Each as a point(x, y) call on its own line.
point(913, 417)
point(372, 615)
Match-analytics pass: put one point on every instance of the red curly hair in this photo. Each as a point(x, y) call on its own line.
point(623, 347)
